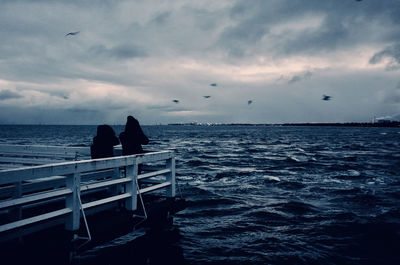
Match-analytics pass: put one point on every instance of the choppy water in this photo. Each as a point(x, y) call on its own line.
point(273, 195)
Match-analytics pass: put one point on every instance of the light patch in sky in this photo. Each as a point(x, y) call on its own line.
point(309, 22)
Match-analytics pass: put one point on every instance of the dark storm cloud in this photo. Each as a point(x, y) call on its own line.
point(8, 94)
point(247, 32)
point(329, 36)
point(344, 23)
point(392, 54)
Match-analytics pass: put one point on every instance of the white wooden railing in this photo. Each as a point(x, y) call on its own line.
point(26, 192)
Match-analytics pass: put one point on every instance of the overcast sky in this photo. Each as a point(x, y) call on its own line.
point(136, 57)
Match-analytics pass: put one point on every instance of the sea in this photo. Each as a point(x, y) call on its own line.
point(268, 194)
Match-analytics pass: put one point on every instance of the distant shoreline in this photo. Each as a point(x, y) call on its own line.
point(395, 124)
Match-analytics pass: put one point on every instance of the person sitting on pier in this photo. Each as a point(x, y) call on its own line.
point(133, 137)
point(103, 142)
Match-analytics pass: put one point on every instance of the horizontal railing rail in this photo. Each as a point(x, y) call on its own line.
point(15, 156)
point(23, 189)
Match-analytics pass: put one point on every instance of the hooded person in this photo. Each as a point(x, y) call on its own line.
point(133, 137)
point(103, 142)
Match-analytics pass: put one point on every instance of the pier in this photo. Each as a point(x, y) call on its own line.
point(42, 187)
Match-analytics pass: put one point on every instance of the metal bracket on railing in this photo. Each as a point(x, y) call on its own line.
point(89, 238)
point(144, 208)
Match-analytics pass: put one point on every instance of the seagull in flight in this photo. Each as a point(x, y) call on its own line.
point(206, 96)
point(326, 97)
point(72, 33)
point(175, 101)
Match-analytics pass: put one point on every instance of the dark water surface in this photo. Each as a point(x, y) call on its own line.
point(272, 195)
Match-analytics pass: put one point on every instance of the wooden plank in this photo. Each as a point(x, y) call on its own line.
point(155, 187)
point(106, 200)
point(13, 175)
point(29, 161)
point(39, 155)
point(151, 181)
point(34, 186)
point(37, 149)
point(154, 173)
point(26, 173)
point(33, 198)
point(43, 153)
point(34, 219)
point(58, 199)
point(102, 184)
point(156, 156)
point(52, 182)
point(97, 175)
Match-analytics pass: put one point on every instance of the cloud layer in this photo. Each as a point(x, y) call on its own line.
point(135, 57)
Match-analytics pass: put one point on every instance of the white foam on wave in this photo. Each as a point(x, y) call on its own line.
point(272, 178)
point(353, 173)
point(298, 158)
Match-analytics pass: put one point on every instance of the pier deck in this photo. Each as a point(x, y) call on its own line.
point(46, 186)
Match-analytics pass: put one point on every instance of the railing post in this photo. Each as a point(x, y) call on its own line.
point(117, 188)
point(171, 177)
point(17, 212)
point(131, 187)
point(72, 201)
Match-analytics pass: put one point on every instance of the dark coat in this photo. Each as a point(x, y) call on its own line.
point(103, 142)
point(132, 138)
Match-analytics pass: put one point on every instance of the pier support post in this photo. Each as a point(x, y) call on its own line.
point(131, 187)
point(171, 177)
point(72, 201)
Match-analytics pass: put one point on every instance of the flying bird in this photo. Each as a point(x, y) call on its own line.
point(326, 97)
point(213, 84)
point(206, 96)
point(175, 101)
point(249, 102)
point(72, 33)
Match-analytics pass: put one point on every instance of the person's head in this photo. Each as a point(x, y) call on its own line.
point(105, 131)
point(132, 124)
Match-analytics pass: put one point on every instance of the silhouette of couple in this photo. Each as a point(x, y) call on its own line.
point(131, 140)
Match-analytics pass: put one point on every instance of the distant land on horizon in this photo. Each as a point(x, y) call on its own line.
point(335, 124)
point(311, 124)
